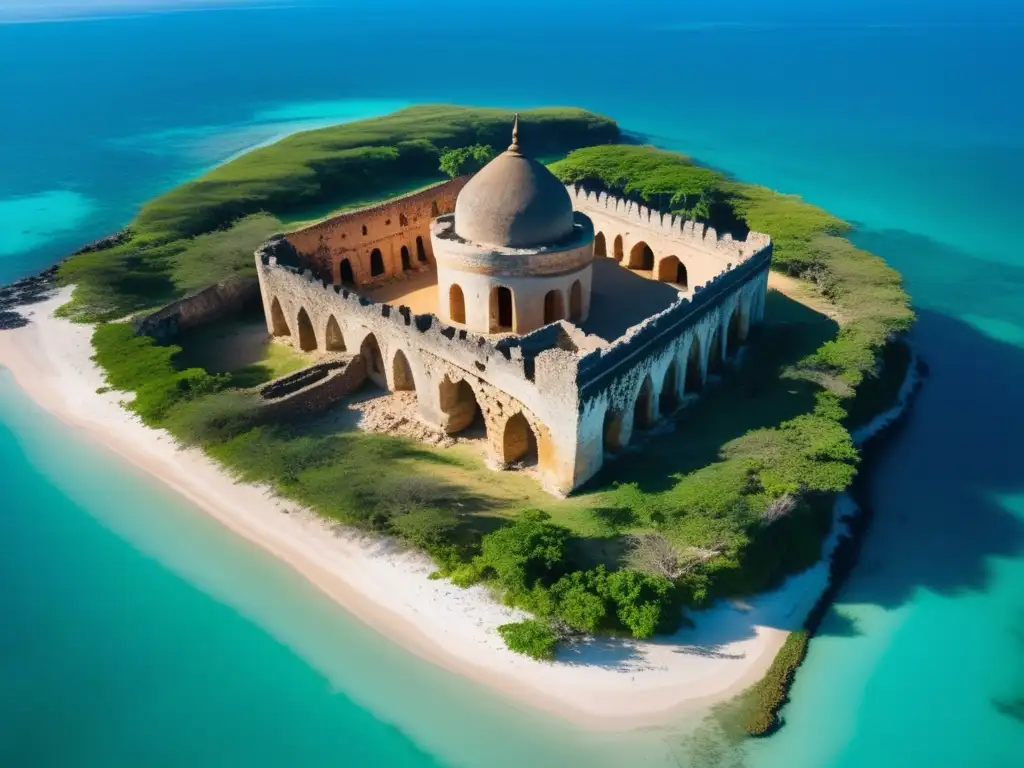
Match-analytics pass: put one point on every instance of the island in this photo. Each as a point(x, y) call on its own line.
point(569, 414)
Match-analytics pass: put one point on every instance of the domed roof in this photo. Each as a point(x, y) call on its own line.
point(514, 202)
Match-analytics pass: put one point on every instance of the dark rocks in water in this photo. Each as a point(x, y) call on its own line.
point(11, 320)
point(28, 290)
point(32, 290)
point(105, 242)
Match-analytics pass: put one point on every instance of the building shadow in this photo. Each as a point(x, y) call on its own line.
point(620, 299)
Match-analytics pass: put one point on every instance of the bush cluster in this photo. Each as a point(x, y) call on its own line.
point(526, 562)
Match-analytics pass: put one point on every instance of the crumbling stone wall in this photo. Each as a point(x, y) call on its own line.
point(531, 374)
point(311, 390)
point(371, 240)
point(567, 391)
point(622, 229)
point(228, 297)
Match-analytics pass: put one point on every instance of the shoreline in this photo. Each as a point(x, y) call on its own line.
point(853, 515)
point(606, 684)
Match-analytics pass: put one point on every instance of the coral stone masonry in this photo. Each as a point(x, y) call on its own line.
point(562, 322)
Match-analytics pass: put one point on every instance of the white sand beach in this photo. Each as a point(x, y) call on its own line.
point(601, 685)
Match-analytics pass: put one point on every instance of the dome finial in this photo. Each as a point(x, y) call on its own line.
point(514, 146)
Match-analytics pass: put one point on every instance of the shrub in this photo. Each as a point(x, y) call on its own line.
point(533, 638)
point(525, 552)
point(642, 602)
point(465, 160)
point(579, 599)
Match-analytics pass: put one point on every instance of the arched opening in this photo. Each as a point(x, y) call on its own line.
point(434, 210)
point(612, 431)
point(669, 399)
point(406, 260)
point(307, 337)
point(376, 262)
point(456, 304)
point(671, 270)
point(733, 338)
point(641, 256)
point(643, 412)
point(333, 339)
point(693, 383)
point(369, 350)
point(277, 321)
point(576, 301)
point(365, 231)
point(421, 252)
point(401, 373)
point(458, 402)
point(519, 443)
point(553, 309)
point(600, 247)
point(715, 353)
point(347, 278)
point(501, 309)
point(617, 248)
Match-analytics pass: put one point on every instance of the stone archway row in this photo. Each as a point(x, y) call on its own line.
point(689, 367)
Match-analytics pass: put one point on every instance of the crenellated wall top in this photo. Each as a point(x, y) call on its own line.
point(693, 233)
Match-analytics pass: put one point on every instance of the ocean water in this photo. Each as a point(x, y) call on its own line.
point(136, 631)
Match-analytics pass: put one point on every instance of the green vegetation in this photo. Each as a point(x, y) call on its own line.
point(754, 713)
point(531, 637)
point(736, 498)
point(209, 228)
point(465, 160)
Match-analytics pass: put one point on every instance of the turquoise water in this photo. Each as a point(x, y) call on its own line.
point(136, 624)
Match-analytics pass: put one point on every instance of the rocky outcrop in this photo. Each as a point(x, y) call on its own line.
point(28, 290)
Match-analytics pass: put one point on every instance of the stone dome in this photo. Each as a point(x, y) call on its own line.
point(514, 202)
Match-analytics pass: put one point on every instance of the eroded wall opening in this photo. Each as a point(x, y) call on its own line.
point(715, 353)
point(406, 259)
point(641, 257)
point(733, 341)
point(456, 304)
point(307, 336)
point(576, 301)
point(376, 263)
point(401, 373)
point(669, 399)
point(693, 382)
point(458, 403)
point(600, 247)
point(643, 410)
point(501, 309)
point(345, 273)
point(672, 270)
point(421, 252)
point(612, 432)
point(519, 443)
point(369, 350)
point(333, 339)
point(553, 309)
point(277, 321)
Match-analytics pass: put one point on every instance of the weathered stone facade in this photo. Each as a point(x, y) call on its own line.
point(378, 242)
point(553, 390)
point(228, 297)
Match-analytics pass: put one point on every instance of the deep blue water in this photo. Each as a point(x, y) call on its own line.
point(133, 626)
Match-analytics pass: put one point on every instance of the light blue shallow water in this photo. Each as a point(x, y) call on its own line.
point(133, 624)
